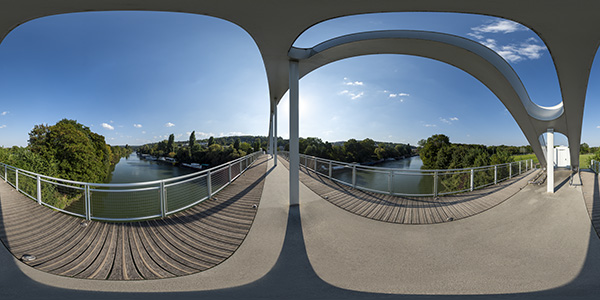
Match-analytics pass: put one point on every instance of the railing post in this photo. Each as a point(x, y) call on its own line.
point(472, 179)
point(88, 208)
point(315, 159)
point(435, 184)
point(39, 189)
point(509, 170)
point(495, 174)
point(17, 179)
point(209, 184)
point(230, 172)
point(330, 170)
point(390, 180)
point(163, 200)
point(354, 175)
point(240, 168)
point(519, 167)
point(5, 173)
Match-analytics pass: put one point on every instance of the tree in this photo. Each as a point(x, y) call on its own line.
point(256, 144)
point(192, 139)
point(170, 143)
point(584, 148)
point(236, 144)
point(211, 141)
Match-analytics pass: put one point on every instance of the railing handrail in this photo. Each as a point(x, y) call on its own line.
point(358, 165)
point(191, 199)
point(392, 172)
point(131, 184)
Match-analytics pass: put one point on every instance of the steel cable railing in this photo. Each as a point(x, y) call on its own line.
point(405, 182)
point(126, 201)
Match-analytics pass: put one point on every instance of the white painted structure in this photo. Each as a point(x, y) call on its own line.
point(275, 25)
point(562, 157)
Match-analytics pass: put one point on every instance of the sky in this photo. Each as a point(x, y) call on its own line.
point(136, 77)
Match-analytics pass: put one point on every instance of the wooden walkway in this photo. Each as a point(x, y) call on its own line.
point(185, 243)
point(411, 210)
point(591, 195)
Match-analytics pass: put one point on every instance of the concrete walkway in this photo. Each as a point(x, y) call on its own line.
point(532, 246)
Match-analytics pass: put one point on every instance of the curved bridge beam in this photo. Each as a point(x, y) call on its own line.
point(472, 57)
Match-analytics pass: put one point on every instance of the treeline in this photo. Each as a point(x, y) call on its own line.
point(67, 150)
point(211, 151)
point(352, 150)
point(438, 153)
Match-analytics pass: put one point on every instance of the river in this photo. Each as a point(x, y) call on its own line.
point(133, 169)
point(402, 182)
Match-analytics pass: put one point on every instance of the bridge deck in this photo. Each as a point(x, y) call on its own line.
point(184, 243)
point(412, 210)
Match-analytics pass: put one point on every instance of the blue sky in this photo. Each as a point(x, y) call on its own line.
point(136, 77)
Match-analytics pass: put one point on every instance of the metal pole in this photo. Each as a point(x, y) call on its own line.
point(230, 173)
point(5, 173)
point(390, 176)
point(435, 183)
point(330, 169)
point(88, 208)
point(519, 167)
point(275, 135)
point(294, 95)
point(163, 200)
point(315, 160)
point(495, 174)
point(17, 179)
point(550, 161)
point(509, 170)
point(472, 177)
point(354, 175)
point(209, 184)
point(39, 190)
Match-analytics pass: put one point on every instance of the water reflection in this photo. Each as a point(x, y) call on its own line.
point(133, 169)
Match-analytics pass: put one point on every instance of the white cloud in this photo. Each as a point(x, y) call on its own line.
point(430, 125)
point(107, 126)
point(502, 26)
point(445, 121)
point(454, 119)
point(137, 125)
point(2, 126)
point(514, 52)
point(596, 126)
point(169, 124)
point(399, 95)
point(4, 113)
point(352, 95)
point(354, 83)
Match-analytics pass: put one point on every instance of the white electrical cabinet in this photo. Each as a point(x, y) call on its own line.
point(562, 157)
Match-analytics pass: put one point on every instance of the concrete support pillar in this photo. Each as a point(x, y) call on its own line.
point(294, 134)
point(550, 161)
point(275, 135)
point(270, 143)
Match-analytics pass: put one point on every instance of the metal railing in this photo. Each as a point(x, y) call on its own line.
point(126, 201)
point(406, 182)
point(595, 166)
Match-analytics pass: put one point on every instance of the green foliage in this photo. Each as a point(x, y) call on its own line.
point(584, 148)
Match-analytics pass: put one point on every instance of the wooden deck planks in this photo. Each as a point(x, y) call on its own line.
point(411, 210)
point(184, 243)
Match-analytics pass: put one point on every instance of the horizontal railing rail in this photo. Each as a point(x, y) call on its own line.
point(409, 182)
point(126, 201)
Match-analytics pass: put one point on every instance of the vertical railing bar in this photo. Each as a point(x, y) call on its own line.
point(209, 184)
point(435, 183)
point(495, 174)
point(354, 175)
point(472, 179)
point(17, 179)
point(163, 207)
point(39, 189)
point(330, 170)
point(229, 173)
point(509, 170)
point(86, 196)
point(390, 179)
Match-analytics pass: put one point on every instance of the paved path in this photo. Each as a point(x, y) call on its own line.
point(412, 210)
point(185, 243)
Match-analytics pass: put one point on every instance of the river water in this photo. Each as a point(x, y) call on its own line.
point(134, 169)
point(400, 182)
